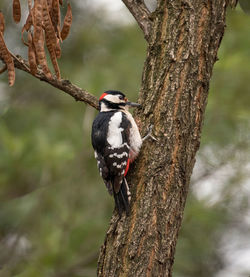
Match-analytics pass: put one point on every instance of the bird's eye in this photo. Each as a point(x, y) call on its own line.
point(121, 97)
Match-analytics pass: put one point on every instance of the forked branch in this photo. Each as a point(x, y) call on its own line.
point(65, 85)
point(141, 14)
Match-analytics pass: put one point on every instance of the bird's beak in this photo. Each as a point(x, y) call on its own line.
point(132, 104)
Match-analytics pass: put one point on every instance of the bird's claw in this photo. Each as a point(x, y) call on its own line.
point(149, 134)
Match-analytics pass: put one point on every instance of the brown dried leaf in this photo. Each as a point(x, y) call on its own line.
point(16, 11)
point(6, 56)
point(2, 23)
point(67, 23)
point(32, 55)
point(61, 2)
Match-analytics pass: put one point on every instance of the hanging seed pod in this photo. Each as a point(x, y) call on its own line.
point(2, 23)
point(32, 55)
point(48, 26)
point(67, 23)
point(28, 23)
point(50, 4)
point(27, 26)
point(38, 19)
point(38, 37)
point(30, 4)
point(51, 39)
point(58, 49)
point(55, 17)
point(52, 54)
point(16, 11)
point(6, 56)
point(41, 56)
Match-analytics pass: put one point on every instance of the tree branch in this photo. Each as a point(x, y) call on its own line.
point(141, 14)
point(64, 85)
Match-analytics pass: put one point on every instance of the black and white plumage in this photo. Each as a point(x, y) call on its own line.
point(116, 141)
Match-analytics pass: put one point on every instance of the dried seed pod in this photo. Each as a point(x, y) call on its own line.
point(29, 4)
point(38, 37)
point(55, 17)
point(49, 29)
point(38, 19)
point(50, 4)
point(24, 42)
point(28, 23)
point(51, 39)
point(52, 54)
point(27, 26)
point(2, 23)
point(32, 55)
point(58, 49)
point(16, 11)
point(6, 56)
point(41, 56)
point(67, 23)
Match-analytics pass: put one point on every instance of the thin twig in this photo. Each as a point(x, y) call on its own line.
point(141, 14)
point(64, 85)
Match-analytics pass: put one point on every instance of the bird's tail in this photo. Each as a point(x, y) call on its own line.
point(122, 198)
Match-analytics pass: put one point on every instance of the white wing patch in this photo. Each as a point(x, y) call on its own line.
point(120, 165)
point(114, 131)
point(118, 156)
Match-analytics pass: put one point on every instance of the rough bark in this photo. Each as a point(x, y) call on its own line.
point(184, 41)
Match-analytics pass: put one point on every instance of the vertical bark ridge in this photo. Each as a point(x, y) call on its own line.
point(182, 50)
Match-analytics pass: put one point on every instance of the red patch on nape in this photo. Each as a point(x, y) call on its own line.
point(127, 167)
point(103, 95)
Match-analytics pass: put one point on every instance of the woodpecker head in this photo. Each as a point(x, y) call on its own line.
point(114, 100)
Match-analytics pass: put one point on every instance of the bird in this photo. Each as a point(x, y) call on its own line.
point(116, 141)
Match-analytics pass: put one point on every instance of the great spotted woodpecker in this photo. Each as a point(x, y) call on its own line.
point(116, 141)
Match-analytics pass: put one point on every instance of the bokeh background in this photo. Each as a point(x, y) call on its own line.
point(54, 208)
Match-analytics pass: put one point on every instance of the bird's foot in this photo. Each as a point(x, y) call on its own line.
point(149, 134)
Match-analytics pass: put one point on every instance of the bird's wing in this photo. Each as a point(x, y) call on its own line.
point(104, 171)
point(116, 161)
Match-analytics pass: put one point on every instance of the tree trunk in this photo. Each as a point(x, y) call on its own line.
point(183, 45)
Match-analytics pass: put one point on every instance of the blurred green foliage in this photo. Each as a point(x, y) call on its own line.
point(54, 208)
